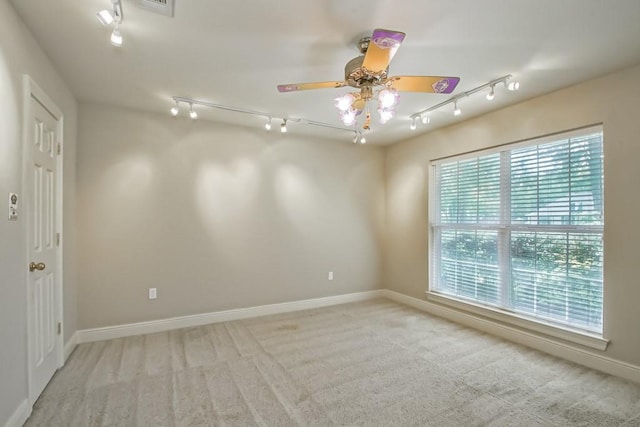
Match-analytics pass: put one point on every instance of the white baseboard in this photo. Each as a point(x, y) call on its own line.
point(119, 331)
point(70, 345)
point(20, 415)
point(547, 345)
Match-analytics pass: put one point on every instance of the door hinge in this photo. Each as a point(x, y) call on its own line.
point(57, 239)
point(59, 328)
point(59, 149)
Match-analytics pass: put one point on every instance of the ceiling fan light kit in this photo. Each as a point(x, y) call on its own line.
point(368, 73)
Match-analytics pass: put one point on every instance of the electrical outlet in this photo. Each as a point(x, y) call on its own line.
point(153, 293)
point(330, 275)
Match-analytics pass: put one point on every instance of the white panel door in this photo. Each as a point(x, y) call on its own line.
point(41, 181)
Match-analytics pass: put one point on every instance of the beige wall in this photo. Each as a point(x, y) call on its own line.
point(218, 217)
point(20, 54)
point(613, 101)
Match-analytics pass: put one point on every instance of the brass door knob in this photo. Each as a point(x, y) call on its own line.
point(39, 266)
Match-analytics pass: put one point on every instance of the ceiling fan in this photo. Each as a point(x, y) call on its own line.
point(369, 71)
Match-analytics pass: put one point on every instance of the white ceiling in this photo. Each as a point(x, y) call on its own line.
point(235, 52)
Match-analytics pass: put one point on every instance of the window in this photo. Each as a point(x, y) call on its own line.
point(519, 229)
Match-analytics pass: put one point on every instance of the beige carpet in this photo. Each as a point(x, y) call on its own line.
point(373, 363)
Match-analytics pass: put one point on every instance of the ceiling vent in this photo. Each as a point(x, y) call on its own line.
point(163, 7)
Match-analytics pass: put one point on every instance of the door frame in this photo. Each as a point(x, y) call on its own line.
point(32, 90)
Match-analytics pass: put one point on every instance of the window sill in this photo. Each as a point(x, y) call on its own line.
point(571, 335)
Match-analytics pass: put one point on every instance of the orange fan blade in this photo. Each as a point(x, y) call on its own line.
point(431, 84)
point(305, 86)
point(382, 47)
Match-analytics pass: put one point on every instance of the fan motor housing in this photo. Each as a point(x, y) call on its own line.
point(358, 76)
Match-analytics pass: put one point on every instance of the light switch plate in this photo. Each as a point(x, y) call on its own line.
point(13, 207)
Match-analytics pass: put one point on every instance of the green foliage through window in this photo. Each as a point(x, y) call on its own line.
point(521, 229)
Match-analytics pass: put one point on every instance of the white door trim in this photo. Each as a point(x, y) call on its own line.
point(31, 89)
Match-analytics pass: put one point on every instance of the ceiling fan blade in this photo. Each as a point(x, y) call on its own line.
point(382, 47)
point(431, 84)
point(305, 86)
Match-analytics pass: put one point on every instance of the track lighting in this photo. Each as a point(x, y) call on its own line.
point(268, 124)
point(105, 17)
point(426, 120)
point(456, 110)
point(491, 85)
point(175, 110)
point(491, 94)
point(116, 37)
point(351, 105)
point(358, 137)
point(413, 124)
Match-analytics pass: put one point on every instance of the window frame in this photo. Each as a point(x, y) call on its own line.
point(504, 315)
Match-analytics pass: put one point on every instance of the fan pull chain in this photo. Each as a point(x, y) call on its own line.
point(367, 121)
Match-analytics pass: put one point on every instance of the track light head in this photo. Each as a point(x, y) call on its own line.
point(355, 137)
point(175, 110)
point(267, 125)
point(491, 94)
point(105, 17)
point(513, 86)
point(413, 124)
point(283, 126)
point(116, 37)
point(192, 112)
point(426, 120)
point(362, 140)
point(456, 110)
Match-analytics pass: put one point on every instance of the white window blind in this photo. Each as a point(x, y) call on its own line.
point(520, 229)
